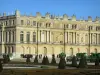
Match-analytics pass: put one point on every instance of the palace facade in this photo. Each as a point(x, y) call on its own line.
point(49, 34)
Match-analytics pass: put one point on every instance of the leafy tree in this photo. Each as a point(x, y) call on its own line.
point(62, 63)
point(36, 59)
point(83, 62)
point(6, 58)
point(74, 61)
point(62, 55)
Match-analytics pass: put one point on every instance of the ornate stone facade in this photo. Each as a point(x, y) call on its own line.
point(22, 34)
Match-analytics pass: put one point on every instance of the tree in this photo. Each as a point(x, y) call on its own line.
point(83, 62)
point(8, 58)
point(53, 61)
point(36, 59)
point(1, 67)
point(74, 61)
point(62, 63)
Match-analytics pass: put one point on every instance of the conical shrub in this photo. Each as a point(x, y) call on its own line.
point(62, 63)
point(45, 60)
point(1, 67)
point(53, 61)
point(36, 59)
point(83, 62)
point(74, 61)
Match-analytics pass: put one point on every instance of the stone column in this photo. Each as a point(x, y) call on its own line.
point(8, 36)
point(73, 37)
point(11, 35)
point(47, 36)
point(97, 38)
point(38, 36)
point(0, 36)
point(91, 38)
point(65, 37)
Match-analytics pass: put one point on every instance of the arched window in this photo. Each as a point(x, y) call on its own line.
point(71, 51)
point(28, 37)
point(21, 37)
point(6, 50)
point(12, 49)
point(95, 50)
point(34, 36)
point(45, 51)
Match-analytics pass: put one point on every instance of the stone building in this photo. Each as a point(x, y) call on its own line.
point(49, 34)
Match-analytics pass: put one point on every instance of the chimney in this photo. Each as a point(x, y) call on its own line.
point(73, 18)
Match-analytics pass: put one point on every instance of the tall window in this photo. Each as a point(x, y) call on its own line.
point(13, 35)
point(28, 22)
point(6, 23)
point(21, 37)
point(9, 36)
point(5, 49)
point(34, 36)
point(28, 37)
point(22, 22)
point(9, 22)
point(13, 22)
point(34, 23)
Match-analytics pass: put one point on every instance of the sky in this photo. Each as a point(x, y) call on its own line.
point(81, 8)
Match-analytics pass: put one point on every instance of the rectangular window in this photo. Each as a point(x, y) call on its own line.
point(28, 37)
point(22, 22)
point(10, 22)
point(13, 22)
point(34, 23)
point(6, 23)
point(34, 37)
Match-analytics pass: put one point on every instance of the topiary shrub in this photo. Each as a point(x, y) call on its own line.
point(74, 62)
point(62, 63)
point(6, 58)
point(45, 60)
point(97, 61)
point(36, 59)
point(53, 61)
point(83, 62)
point(62, 55)
point(28, 60)
point(1, 67)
